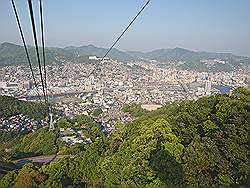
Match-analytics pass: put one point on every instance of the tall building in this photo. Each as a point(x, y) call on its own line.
point(27, 85)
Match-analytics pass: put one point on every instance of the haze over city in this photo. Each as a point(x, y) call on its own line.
point(208, 25)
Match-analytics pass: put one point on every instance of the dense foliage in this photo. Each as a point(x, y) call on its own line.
point(97, 112)
point(135, 110)
point(41, 142)
point(45, 142)
point(9, 106)
point(8, 140)
point(201, 143)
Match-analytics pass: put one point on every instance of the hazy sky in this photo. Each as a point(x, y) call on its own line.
point(205, 25)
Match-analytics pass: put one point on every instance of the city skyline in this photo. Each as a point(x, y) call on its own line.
point(201, 26)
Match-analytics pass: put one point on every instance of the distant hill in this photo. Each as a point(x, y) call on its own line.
point(100, 52)
point(179, 54)
point(194, 60)
point(12, 54)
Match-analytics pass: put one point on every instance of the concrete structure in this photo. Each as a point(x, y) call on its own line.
point(51, 123)
point(208, 87)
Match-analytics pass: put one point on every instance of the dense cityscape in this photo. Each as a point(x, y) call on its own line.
point(74, 91)
point(81, 88)
point(118, 83)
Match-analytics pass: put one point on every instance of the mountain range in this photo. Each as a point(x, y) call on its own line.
point(12, 54)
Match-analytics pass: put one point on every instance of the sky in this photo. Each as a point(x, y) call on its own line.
point(201, 25)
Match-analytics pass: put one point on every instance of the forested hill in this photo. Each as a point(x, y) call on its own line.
point(12, 54)
point(201, 143)
point(10, 106)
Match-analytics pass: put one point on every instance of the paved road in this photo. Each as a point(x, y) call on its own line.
point(40, 159)
point(5, 170)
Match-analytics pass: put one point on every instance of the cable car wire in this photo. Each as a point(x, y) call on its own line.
point(25, 47)
point(43, 48)
point(117, 40)
point(121, 35)
point(36, 45)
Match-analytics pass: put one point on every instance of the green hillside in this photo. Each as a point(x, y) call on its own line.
point(10, 106)
point(201, 143)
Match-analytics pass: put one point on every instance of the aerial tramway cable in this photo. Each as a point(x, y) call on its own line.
point(25, 47)
point(117, 40)
point(36, 46)
point(124, 31)
point(43, 48)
